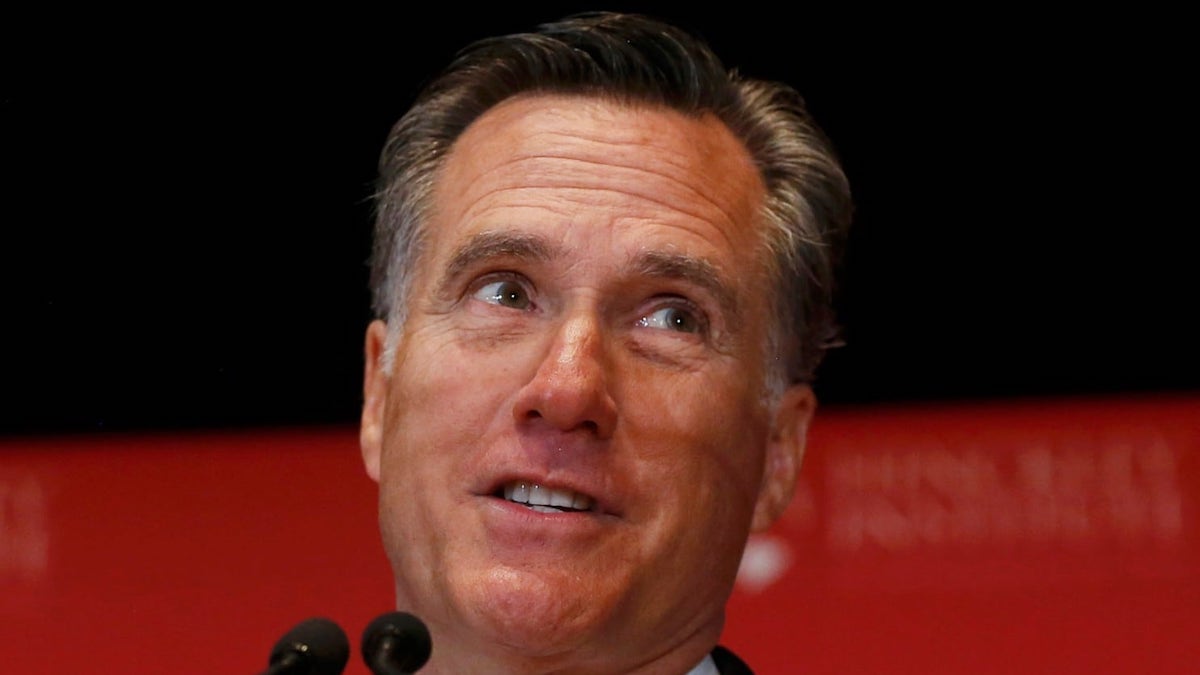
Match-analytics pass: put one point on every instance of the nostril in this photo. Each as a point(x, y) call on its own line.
point(566, 402)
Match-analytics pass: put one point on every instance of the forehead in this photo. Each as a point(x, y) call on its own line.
point(575, 163)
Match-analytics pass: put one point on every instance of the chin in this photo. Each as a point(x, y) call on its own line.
point(539, 613)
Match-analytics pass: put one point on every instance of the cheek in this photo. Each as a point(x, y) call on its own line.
point(439, 404)
point(439, 383)
point(701, 445)
point(698, 468)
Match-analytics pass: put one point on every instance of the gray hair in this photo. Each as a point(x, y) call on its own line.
point(635, 59)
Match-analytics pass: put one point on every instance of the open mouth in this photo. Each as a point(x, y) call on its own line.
point(544, 499)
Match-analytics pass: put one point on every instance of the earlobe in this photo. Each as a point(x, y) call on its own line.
point(785, 451)
point(370, 436)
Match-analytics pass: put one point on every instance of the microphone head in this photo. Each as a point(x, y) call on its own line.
point(318, 643)
point(396, 641)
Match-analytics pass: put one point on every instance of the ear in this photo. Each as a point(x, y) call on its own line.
point(375, 380)
point(785, 450)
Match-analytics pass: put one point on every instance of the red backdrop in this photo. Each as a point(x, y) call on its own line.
point(1049, 536)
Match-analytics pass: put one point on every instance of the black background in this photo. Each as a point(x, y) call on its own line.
point(185, 218)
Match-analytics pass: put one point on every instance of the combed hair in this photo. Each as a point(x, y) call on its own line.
point(632, 59)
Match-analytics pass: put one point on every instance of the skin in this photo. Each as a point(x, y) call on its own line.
point(590, 312)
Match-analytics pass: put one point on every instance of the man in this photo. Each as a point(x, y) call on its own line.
point(603, 270)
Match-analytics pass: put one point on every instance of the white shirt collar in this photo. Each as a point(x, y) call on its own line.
point(705, 667)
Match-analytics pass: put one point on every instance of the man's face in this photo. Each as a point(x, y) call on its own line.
point(575, 438)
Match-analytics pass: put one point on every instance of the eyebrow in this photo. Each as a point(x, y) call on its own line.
point(692, 270)
point(654, 264)
point(490, 245)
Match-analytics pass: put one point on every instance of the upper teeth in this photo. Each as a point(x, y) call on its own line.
point(540, 496)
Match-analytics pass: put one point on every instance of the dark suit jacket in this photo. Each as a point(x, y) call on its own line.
point(728, 662)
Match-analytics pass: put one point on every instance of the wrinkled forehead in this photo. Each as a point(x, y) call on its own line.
point(589, 158)
point(697, 149)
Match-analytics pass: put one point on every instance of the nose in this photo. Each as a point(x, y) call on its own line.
point(570, 389)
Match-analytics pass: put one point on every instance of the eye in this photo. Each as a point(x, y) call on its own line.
point(673, 318)
point(504, 292)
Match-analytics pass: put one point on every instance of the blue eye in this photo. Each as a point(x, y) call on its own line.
point(672, 318)
point(505, 292)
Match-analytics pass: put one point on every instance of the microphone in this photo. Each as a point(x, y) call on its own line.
point(315, 646)
point(396, 643)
